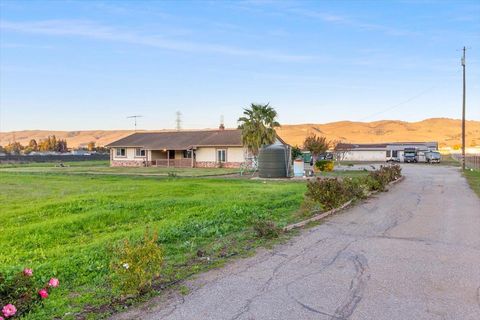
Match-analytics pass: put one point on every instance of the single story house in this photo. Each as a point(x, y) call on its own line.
point(187, 149)
point(380, 151)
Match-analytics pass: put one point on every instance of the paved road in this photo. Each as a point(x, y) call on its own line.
point(410, 253)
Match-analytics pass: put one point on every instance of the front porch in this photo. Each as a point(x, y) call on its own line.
point(172, 158)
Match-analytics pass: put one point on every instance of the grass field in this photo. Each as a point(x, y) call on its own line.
point(66, 225)
point(473, 178)
point(103, 168)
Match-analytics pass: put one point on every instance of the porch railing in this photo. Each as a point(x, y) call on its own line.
point(173, 163)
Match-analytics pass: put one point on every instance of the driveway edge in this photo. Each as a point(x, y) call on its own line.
point(323, 215)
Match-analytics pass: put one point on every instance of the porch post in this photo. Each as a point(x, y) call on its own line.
point(191, 154)
point(168, 158)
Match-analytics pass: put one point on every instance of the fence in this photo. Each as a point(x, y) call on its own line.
point(52, 158)
point(174, 163)
point(471, 160)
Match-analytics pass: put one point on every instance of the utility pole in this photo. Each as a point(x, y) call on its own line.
point(135, 120)
point(463, 111)
point(178, 121)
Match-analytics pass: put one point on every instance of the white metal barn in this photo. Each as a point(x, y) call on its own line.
point(380, 151)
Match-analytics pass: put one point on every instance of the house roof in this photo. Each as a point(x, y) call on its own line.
point(181, 140)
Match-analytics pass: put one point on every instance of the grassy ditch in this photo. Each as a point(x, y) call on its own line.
point(473, 178)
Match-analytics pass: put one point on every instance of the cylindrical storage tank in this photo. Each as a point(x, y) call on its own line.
point(298, 167)
point(272, 161)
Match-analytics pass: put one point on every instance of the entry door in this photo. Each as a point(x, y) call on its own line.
point(171, 154)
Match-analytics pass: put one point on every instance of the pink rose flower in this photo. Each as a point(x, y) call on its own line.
point(28, 272)
point(53, 282)
point(9, 310)
point(43, 293)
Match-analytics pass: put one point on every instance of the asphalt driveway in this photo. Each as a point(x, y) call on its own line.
point(410, 253)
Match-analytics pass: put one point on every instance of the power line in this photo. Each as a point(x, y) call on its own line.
point(178, 121)
point(400, 104)
point(390, 108)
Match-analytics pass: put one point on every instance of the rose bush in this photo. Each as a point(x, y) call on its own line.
point(19, 293)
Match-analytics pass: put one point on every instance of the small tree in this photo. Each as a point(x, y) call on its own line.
point(340, 150)
point(258, 126)
point(91, 146)
point(296, 152)
point(13, 148)
point(316, 145)
point(32, 145)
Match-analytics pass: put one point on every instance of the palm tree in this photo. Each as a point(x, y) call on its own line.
point(258, 126)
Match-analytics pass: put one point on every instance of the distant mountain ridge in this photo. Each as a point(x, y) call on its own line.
point(446, 131)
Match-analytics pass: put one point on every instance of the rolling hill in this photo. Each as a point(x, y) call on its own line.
point(446, 131)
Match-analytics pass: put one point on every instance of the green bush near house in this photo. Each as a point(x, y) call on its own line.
point(325, 165)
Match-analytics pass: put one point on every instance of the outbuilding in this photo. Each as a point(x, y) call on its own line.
point(381, 151)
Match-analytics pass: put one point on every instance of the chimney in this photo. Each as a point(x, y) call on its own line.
point(222, 126)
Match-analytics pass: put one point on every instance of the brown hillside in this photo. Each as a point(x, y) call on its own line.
point(74, 138)
point(445, 131)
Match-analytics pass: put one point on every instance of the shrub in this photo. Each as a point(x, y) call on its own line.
point(135, 265)
point(383, 176)
point(324, 165)
point(19, 293)
point(372, 183)
point(266, 229)
point(355, 187)
point(308, 207)
point(329, 192)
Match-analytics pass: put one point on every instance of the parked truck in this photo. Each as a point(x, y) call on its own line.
point(410, 155)
point(433, 157)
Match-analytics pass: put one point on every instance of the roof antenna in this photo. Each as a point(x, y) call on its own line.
point(179, 120)
point(135, 120)
point(222, 123)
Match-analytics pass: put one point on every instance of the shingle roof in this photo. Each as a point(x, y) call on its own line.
point(181, 140)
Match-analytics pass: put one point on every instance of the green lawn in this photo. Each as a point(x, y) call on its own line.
point(473, 178)
point(85, 163)
point(66, 225)
point(103, 168)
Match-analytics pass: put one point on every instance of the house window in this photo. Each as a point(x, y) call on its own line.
point(221, 155)
point(388, 153)
point(121, 152)
point(139, 152)
point(395, 153)
point(187, 154)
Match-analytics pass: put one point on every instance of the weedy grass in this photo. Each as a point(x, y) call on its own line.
point(100, 167)
point(473, 178)
point(68, 225)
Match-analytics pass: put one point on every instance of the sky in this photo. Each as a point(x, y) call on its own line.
point(85, 65)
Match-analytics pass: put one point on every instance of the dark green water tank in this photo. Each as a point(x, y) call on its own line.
point(272, 161)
